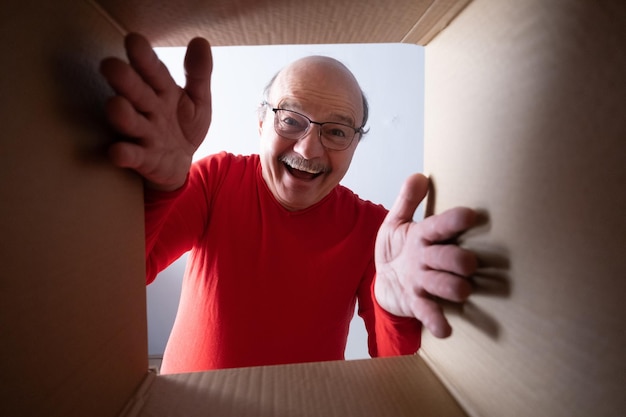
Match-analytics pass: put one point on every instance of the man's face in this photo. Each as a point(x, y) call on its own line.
point(300, 173)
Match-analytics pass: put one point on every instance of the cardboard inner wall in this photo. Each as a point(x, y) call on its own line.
point(525, 105)
point(72, 296)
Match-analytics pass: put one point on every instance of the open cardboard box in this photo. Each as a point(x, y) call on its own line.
point(525, 104)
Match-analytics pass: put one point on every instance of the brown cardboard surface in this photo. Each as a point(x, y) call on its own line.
point(402, 386)
point(525, 105)
point(72, 297)
point(261, 22)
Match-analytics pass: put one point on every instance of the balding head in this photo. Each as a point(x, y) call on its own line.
point(327, 72)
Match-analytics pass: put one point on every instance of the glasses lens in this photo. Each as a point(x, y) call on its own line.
point(293, 125)
point(337, 136)
point(290, 124)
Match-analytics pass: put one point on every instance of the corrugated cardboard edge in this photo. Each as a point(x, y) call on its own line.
point(438, 16)
point(400, 386)
point(137, 402)
point(107, 16)
point(449, 385)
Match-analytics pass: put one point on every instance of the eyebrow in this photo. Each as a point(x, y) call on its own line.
point(335, 117)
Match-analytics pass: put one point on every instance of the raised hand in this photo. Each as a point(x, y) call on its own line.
point(164, 122)
point(418, 263)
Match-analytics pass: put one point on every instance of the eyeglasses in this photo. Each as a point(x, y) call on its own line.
point(293, 125)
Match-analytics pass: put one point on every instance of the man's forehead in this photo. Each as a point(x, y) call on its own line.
point(334, 115)
point(319, 84)
point(318, 70)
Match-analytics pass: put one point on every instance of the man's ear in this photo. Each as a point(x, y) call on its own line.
point(260, 126)
point(261, 113)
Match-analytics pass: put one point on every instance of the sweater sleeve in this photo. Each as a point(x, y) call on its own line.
point(175, 221)
point(395, 335)
point(157, 207)
point(388, 335)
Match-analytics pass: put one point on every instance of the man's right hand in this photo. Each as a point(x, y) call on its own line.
point(165, 123)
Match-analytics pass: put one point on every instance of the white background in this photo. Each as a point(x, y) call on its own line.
point(391, 75)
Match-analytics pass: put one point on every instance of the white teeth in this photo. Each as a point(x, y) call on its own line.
point(301, 165)
point(306, 169)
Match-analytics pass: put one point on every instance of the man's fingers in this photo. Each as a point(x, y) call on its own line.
point(430, 314)
point(446, 286)
point(127, 83)
point(447, 225)
point(127, 155)
point(411, 194)
point(124, 118)
point(198, 69)
point(147, 64)
point(450, 258)
point(143, 79)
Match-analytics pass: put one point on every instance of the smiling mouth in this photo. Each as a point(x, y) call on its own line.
point(302, 169)
point(302, 174)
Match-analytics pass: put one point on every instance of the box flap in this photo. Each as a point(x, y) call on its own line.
point(72, 296)
point(525, 105)
point(402, 386)
point(264, 22)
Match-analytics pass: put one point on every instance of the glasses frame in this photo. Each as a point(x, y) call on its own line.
point(358, 130)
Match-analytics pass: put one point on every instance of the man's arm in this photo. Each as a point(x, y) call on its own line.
point(416, 263)
point(164, 125)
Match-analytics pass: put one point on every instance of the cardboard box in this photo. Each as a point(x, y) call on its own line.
point(524, 119)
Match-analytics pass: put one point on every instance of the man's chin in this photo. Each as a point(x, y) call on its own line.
point(294, 198)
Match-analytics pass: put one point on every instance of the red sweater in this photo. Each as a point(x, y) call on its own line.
point(264, 285)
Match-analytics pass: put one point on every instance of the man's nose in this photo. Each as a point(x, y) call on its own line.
point(310, 145)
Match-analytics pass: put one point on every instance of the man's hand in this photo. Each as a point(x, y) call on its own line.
point(167, 123)
point(415, 262)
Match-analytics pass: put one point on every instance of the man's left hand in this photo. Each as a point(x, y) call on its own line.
point(418, 263)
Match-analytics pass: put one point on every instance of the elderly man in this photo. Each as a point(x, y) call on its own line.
point(280, 252)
